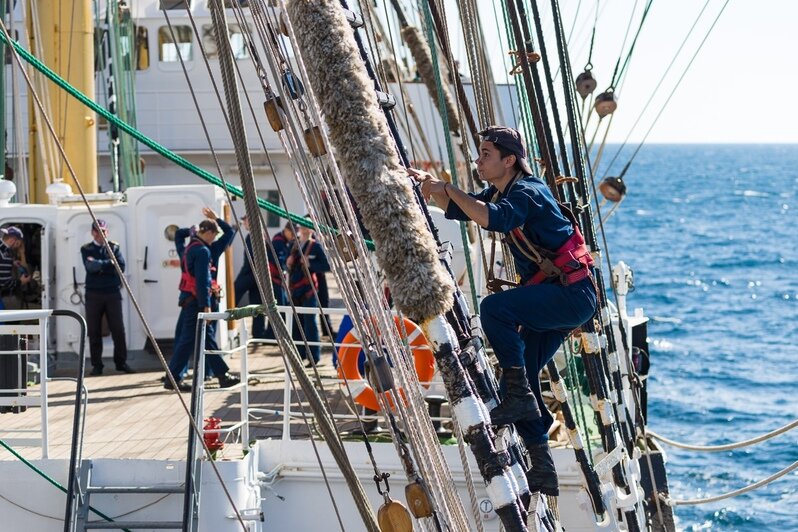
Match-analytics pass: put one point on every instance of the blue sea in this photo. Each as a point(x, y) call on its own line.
point(711, 232)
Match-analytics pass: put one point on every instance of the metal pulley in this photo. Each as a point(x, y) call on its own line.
point(585, 84)
point(613, 189)
point(293, 85)
point(605, 104)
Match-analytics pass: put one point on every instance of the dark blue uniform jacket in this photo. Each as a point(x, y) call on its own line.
point(527, 203)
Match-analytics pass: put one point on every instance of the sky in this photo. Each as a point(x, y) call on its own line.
point(737, 90)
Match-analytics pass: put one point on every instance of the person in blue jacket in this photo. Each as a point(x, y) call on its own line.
point(245, 283)
point(303, 288)
point(555, 292)
point(196, 295)
point(217, 248)
point(104, 298)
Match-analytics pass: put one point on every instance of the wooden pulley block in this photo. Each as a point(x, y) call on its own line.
point(282, 22)
point(612, 188)
point(531, 57)
point(585, 84)
point(315, 142)
point(272, 107)
point(417, 500)
point(605, 104)
point(345, 243)
point(560, 179)
point(394, 517)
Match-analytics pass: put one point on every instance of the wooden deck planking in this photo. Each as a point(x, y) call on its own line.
point(133, 416)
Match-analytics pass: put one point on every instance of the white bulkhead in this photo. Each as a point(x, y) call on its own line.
point(142, 221)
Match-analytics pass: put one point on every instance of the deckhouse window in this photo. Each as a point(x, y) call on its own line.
point(237, 41)
point(182, 44)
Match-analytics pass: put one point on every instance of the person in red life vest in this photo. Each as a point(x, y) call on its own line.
point(303, 288)
point(526, 324)
point(245, 284)
point(104, 297)
point(195, 296)
point(217, 247)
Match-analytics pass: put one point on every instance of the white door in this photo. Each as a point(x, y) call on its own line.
point(158, 212)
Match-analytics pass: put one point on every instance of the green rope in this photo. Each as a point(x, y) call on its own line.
point(49, 479)
point(168, 154)
point(250, 311)
point(573, 381)
point(450, 150)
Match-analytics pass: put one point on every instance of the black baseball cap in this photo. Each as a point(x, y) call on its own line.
point(510, 139)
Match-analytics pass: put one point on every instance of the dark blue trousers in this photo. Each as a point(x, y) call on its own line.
point(526, 325)
point(311, 330)
point(184, 344)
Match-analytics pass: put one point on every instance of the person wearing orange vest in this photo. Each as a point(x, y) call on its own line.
point(556, 294)
point(195, 297)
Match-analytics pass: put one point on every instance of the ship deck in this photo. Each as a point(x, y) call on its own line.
point(132, 416)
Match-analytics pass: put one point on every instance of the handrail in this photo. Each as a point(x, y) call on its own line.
point(76, 450)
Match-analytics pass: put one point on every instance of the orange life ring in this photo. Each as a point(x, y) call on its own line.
point(349, 352)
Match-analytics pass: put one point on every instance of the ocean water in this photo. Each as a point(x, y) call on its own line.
point(711, 232)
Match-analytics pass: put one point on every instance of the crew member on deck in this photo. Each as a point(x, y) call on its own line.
point(196, 293)
point(526, 324)
point(245, 283)
point(104, 297)
point(303, 288)
point(217, 248)
point(12, 276)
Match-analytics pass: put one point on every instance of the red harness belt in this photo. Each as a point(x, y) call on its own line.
point(571, 262)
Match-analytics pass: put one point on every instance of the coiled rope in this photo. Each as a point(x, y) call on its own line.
point(728, 446)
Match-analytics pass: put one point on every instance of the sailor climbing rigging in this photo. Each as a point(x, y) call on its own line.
point(525, 325)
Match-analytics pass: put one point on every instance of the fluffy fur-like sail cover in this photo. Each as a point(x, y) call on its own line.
point(420, 285)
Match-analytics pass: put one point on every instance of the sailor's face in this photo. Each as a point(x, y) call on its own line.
point(490, 164)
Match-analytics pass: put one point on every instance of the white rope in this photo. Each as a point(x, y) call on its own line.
point(692, 502)
point(728, 446)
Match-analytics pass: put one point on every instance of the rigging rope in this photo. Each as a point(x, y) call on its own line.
point(764, 482)
point(728, 446)
point(32, 93)
point(656, 89)
point(673, 91)
point(138, 135)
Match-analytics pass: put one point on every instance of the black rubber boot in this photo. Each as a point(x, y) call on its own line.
point(518, 402)
point(542, 475)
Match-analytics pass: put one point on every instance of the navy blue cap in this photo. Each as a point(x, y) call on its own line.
point(510, 139)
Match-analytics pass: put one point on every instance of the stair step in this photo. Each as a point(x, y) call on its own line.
point(160, 525)
point(164, 488)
